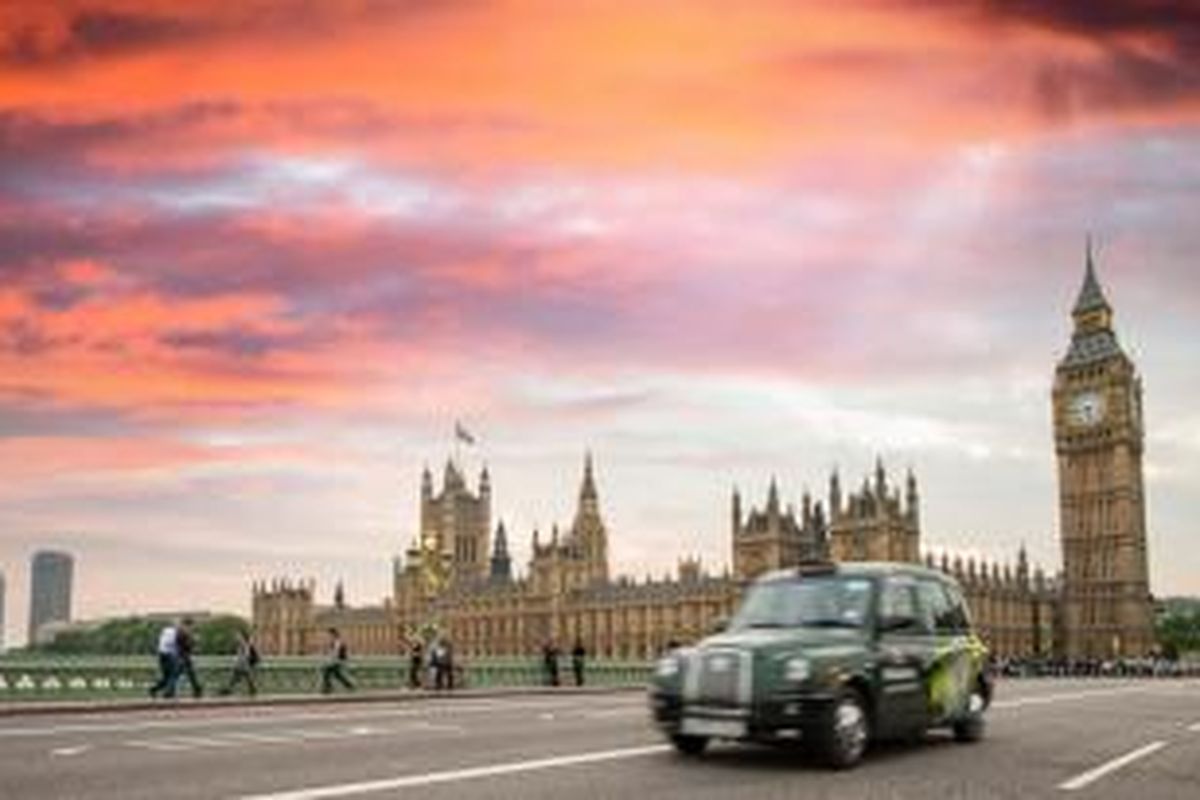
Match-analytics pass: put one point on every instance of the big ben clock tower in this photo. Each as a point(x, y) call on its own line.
point(1099, 433)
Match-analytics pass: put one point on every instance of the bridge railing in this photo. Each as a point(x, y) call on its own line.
point(131, 677)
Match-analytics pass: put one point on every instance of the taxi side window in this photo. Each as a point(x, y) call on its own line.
point(941, 609)
point(960, 616)
point(899, 600)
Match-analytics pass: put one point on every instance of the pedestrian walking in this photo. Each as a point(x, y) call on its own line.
point(578, 655)
point(440, 659)
point(185, 646)
point(416, 659)
point(550, 662)
point(245, 665)
point(168, 662)
point(335, 664)
point(450, 666)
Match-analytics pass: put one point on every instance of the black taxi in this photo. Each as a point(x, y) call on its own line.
point(831, 657)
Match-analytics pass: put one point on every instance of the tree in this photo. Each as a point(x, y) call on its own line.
point(219, 635)
point(1179, 632)
point(139, 636)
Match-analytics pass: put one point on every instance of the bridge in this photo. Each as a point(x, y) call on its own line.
point(1100, 738)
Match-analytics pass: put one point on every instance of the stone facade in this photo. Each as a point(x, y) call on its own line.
point(459, 577)
point(566, 594)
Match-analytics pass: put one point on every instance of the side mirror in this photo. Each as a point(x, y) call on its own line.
point(719, 625)
point(898, 623)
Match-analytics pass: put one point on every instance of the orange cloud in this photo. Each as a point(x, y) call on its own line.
point(489, 85)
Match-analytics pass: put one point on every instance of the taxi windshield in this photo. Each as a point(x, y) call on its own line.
point(830, 601)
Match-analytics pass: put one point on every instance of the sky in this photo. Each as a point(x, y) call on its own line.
point(256, 258)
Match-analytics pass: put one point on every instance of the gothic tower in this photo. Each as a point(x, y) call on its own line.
point(588, 530)
point(501, 567)
point(457, 523)
point(1099, 433)
point(876, 523)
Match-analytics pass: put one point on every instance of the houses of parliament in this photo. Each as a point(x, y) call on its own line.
point(457, 577)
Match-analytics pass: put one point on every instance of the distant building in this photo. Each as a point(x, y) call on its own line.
point(49, 590)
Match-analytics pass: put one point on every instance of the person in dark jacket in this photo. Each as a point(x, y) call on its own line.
point(578, 655)
point(550, 662)
point(185, 646)
point(416, 660)
point(335, 664)
point(245, 665)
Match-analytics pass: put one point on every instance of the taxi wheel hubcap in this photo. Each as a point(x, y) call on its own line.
point(850, 726)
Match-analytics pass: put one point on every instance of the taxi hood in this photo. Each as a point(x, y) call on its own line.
point(792, 638)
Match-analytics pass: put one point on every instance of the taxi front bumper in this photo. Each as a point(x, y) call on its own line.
point(779, 717)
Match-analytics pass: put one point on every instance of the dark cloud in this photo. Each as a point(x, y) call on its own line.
point(1149, 50)
point(1152, 49)
point(92, 32)
point(23, 338)
point(1174, 19)
point(229, 342)
point(39, 153)
point(40, 34)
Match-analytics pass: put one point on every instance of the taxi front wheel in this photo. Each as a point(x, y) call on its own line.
point(843, 737)
point(689, 745)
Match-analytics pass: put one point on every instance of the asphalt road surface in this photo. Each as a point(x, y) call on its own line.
point(1046, 738)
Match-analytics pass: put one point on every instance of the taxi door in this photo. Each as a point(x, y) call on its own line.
point(905, 656)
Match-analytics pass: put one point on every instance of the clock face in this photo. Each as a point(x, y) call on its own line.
point(1087, 408)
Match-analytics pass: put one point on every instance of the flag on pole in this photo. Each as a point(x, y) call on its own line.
point(462, 434)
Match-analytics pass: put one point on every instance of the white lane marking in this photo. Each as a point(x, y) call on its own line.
point(70, 751)
point(262, 738)
point(1194, 728)
point(181, 743)
point(615, 712)
point(463, 706)
point(451, 776)
point(1093, 775)
point(546, 716)
point(1043, 699)
point(425, 726)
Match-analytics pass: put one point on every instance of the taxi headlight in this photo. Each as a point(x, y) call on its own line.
point(798, 669)
point(667, 667)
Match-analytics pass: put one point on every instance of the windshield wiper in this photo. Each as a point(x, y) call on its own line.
point(830, 623)
point(763, 624)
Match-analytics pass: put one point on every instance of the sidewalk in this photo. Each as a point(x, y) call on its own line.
point(187, 704)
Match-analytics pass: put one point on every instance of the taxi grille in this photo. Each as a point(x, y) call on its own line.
point(719, 678)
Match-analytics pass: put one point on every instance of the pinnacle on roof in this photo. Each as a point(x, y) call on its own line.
point(500, 543)
point(1091, 296)
point(588, 489)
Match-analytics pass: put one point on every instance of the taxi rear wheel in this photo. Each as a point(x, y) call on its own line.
point(971, 727)
point(843, 737)
point(689, 745)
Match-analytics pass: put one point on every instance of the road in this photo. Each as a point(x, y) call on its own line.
point(1046, 738)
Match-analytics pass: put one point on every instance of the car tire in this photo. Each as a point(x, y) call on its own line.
point(692, 746)
point(971, 727)
point(845, 731)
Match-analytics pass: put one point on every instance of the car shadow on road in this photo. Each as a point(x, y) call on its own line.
point(759, 757)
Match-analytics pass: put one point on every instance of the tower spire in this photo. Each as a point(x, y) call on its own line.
point(587, 491)
point(1091, 295)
